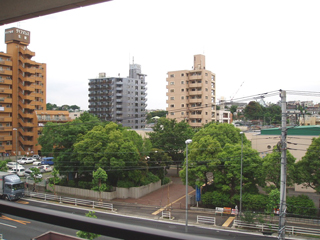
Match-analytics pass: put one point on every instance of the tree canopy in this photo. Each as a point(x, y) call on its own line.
point(308, 169)
point(170, 136)
point(215, 152)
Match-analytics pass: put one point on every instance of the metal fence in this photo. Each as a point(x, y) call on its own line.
point(292, 230)
point(207, 220)
point(72, 201)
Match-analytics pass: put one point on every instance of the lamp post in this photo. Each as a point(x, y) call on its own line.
point(241, 175)
point(16, 129)
point(187, 142)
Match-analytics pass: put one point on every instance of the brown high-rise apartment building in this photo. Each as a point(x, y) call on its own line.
point(22, 96)
point(191, 94)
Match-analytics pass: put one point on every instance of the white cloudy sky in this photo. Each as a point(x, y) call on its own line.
point(262, 46)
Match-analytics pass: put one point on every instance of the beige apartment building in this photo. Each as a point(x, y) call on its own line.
point(191, 94)
point(22, 96)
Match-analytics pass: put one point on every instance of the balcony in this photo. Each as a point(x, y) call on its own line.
point(196, 124)
point(6, 72)
point(29, 70)
point(194, 85)
point(5, 119)
point(26, 115)
point(25, 142)
point(195, 100)
point(27, 79)
point(195, 77)
point(5, 137)
point(30, 97)
point(194, 92)
point(7, 110)
point(5, 100)
point(26, 51)
point(6, 90)
point(6, 63)
point(195, 116)
point(6, 81)
point(25, 124)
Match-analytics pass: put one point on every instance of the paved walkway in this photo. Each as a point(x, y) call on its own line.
point(173, 194)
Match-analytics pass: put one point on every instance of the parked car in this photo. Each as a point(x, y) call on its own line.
point(25, 160)
point(18, 171)
point(37, 163)
point(37, 157)
point(47, 161)
point(28, 172)
point(41, 168)
point(22, 160)
point(46, 168)
point(12, 165)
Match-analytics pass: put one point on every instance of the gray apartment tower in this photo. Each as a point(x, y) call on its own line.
point(120, 100)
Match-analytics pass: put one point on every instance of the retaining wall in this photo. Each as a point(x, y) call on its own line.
point(134, 192)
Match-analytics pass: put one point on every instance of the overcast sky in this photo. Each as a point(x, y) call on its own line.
point(252, 46)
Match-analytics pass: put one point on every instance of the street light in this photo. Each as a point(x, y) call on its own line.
point(187, 142)
point(241, 175)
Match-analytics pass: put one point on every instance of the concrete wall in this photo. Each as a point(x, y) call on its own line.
point(135, 192)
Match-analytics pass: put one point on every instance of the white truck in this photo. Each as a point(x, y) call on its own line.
point(11, 186)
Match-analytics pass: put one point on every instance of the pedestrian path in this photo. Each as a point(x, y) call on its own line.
point(228, 222)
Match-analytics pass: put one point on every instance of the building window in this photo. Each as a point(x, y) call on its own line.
point(182, 82)
point(172, 113)
point(172, 98)
point(182, 105)
point(182, 74)
point(171, 83)
point(172, 105)
point(206, 97)
point(172, 75)
point(206, 89)
point(171, 90)
point(182, 97)
point(206, 74)
point(182, 113)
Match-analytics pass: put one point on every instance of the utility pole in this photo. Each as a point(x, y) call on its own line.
point(283, 174)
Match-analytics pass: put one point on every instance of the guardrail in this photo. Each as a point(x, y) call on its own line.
point(73, 201)
point(205, 219)
point(167, 215)
point(292, 230)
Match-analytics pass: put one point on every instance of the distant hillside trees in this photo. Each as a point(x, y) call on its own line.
point(65, 107)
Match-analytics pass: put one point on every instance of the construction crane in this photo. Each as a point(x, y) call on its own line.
point(236, 92)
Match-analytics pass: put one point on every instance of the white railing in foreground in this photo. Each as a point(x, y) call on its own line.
point(205, 219)
point(73, 201)
point(292, 230)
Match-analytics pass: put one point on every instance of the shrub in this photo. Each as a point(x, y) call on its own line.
point(301, 205)
point(85, 184)
point(71, 183)
point(125, 184)
point(166, 181)
point(216, 199)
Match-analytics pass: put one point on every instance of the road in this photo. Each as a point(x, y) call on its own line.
point(26, 229)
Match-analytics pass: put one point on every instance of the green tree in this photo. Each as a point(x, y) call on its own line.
point(99, 181)
point(54, 180)
point(216, 151)
point(158, 163)
point(170, 136)
point(253, 111)
point(150, 115)
point(274, 201)
point(308, 169)
point(271, 165)
point(3, 166)
point(87, 235)
point(58, 139)
point(35, 175)
point(109, 147)
point(272, 114)
point(233, 109)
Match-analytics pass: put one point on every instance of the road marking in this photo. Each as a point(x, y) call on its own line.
point(14, 220)
point(228, 222)
point(162, 209)
point(8, 225)
point(22, 202)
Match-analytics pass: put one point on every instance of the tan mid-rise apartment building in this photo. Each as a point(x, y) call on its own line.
point(191, 94)
point(22, 96)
